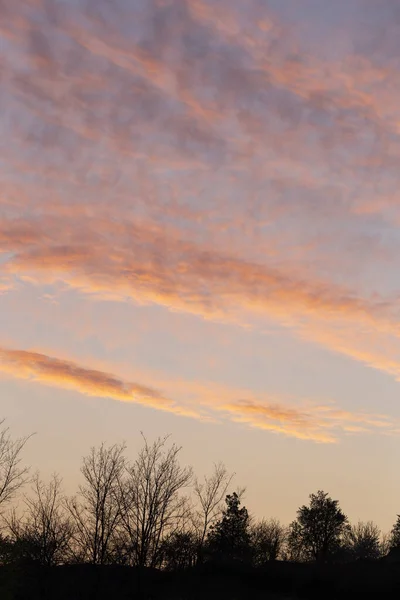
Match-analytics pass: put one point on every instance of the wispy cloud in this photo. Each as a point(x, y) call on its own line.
point(318, 423)
point(67, 374)
point(313, 422)
point(149, 265)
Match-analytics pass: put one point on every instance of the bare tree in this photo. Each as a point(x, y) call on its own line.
point(96, 511)
point(12, 474)
point(44, 532)
point(151, 504)
point(268, 540)
point(210, 494)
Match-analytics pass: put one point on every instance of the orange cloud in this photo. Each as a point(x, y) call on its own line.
point(377, 351)
point(67, 374)
point(319, 423)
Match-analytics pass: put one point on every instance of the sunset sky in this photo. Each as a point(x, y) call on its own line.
point(200, 235)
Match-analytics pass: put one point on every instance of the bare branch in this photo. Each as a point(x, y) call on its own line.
point(12, 474)
point(210, 494)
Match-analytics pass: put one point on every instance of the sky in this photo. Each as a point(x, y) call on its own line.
point(200, 236)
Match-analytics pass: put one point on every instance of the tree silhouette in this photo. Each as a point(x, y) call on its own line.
point(395, 534)
point(319, 528)
point(44, 532)
point(267, 540)
point(150, 502)
point(96, 511)
point(179, 551)
point(209, 494)
point(12, 475)
point(136, 514)
point(296, 549)
point(385, 544)
point(229, 538)
point(362, 541)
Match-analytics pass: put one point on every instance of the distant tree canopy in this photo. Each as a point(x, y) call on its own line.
point(152, 512)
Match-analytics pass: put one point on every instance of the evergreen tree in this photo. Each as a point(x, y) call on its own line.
point(229, 538)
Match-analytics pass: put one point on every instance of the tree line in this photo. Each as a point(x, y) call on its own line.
point(153, 512)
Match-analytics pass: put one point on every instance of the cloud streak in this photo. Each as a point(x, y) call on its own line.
point(151, 266)
point(67, 374)
point(316, 423)
point(320, 424)
point(148, 264)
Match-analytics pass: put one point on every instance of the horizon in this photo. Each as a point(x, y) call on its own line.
point(199, 236)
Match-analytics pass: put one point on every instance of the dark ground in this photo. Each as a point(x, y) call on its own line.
point(276, 581)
